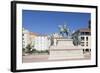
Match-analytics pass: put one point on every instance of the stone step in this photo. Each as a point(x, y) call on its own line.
point(65, 47)
point(66, 54)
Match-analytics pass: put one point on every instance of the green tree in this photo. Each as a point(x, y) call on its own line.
point(28, 48)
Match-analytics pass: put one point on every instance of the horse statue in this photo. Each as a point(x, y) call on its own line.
point(64, 31)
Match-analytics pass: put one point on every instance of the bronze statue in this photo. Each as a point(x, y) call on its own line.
point(64, 31)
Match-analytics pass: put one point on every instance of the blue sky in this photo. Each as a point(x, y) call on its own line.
point(46, 22)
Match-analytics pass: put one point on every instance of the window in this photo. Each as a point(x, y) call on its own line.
point(82, 38)
point(83, 51)
point(22, 34)
point(86, 43)
point(22, 38)
point(87, 33)
point(87, 50)
point(82, 33)
point(90, 49)
point(86, 38)
point(82, 43)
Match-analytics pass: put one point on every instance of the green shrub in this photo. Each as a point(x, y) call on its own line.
point(28, 48)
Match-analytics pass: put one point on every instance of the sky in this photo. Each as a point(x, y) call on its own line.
point(47, 22)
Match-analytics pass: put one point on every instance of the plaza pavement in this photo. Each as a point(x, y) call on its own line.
point(44, 58)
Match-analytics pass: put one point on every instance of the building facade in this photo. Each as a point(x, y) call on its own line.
point(42, 43)
point(82, 37)
point(32, 38)
point(38, 42)
point(25, 38)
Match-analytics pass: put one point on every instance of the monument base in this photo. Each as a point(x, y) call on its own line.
point(64, 49)
point(66, 54)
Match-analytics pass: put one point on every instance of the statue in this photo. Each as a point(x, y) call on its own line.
point(64, 31)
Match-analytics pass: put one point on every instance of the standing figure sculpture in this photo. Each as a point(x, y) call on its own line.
point(63, 30)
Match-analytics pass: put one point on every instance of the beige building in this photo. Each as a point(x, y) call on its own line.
point(25, 38)
point(42, 43)
point(82, 37)
point(32, 38)
point(28, 37)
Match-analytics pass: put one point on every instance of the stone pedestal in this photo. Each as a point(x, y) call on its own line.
point(63, 48)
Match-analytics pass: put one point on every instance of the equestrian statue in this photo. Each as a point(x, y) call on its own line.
point(64, 31)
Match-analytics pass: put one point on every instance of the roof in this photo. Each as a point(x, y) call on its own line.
point(82, 30)
point(32, 33)
point(85, 30)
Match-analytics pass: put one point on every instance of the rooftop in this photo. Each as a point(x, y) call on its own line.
point(84, 30)
point(32, 33)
